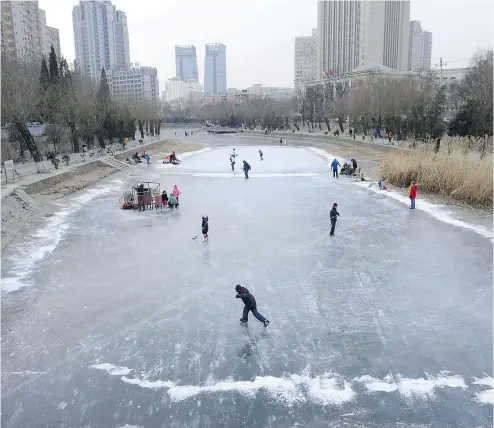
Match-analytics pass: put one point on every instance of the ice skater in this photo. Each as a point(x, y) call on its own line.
point(205, 227)
point(176, 192)
point(260, 154)
point(333, 214)
point(232, 159)
point(250, 305)
point(148, 160)
point(246, 169)
point(334, 166)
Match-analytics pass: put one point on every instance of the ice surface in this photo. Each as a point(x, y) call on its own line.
point(392, 300)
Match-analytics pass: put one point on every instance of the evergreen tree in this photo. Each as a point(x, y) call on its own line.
point(44, 78)
point(53, 66)
point(104, 96)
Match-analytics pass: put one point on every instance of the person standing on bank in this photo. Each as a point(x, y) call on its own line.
point(412, 194)
point(333, 214)
point(334, 166)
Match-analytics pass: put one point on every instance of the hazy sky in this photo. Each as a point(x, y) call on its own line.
point(259, 34)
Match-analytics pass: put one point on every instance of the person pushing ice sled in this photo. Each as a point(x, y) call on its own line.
point(250, 305)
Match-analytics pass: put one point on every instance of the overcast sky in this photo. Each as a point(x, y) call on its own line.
point(260, 34)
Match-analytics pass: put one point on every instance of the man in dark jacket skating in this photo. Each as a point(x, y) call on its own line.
point(250, 305)
point(246, 169)
point(333, 214)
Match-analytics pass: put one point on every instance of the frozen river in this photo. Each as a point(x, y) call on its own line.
point(113, 318)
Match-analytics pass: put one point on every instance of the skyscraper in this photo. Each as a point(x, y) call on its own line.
point(215, 69)
point(101, 37)
point(25, 34)
point(186, 62)
point(355, 33)
point(420, 48)
point(305, 59)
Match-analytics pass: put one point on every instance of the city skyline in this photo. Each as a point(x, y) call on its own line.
point(264, 52)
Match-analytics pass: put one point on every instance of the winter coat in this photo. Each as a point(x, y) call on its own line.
point(246, 166)
point(333, 214)
point(412, 191)
point(204, 222)
point(335, 164)
point(173, 200)
point(176, 192)
point(247, 298)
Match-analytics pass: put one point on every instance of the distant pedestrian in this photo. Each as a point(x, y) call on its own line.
point(412, 194)
point(148, 160)
point(260, 154)
point(333, 214)
point(281, 141)
point(390, 136)
point(334, 166)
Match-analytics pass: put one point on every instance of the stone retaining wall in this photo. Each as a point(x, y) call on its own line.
point(41, 185)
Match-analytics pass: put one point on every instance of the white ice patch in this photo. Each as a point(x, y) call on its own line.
point(251, 175)
point(437, 211)
point(111, 369)
point(46, 239)
point(143, 383)
point(422, 388)
point(328, 156)
point(326, 389)
point(487, 396)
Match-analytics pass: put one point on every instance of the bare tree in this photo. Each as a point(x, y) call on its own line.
point(20, 101)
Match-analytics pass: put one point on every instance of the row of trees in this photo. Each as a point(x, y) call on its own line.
point(408, 107)
point(70, 104)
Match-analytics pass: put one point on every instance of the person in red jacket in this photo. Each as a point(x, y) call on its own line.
point(412, 194)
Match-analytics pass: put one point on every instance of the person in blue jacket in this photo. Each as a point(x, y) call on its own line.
point(334, 166)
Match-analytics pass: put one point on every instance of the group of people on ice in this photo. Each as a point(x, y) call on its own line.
point(245, 165)
point(171, 201)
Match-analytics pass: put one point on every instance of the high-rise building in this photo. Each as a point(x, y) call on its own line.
point(25, 34)
point(175, 89)
point(420, 48)
point(134, 84)
point(305, 59)
point(186, 62)
point(351, 34)
point(101, 37)
point(51, 36)
point(215, 69)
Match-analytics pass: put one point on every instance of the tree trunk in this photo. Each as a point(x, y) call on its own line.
point(101, 139)
point(327, 124)
point(141, 128)
point(340, 123)
point(28, 139)
point(151, 125)
point(147, 126)
point(74, 137)
point(158, 127)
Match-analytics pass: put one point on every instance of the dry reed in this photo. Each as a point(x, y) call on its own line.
point(453, 172)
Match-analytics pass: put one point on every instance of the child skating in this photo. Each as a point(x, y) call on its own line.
point(205, 227)
point(250, 305)
point(260, 154)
